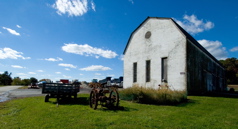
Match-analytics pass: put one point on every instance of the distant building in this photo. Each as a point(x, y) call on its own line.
point(159, 51)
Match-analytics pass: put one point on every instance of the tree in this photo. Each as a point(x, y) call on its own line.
point(16, 81)
point(26, 82)
point(5, 78)
point(231, 66)
point(33, 80)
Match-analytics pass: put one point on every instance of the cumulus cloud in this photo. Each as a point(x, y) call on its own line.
point(31, 73)
point(12, 54)
point(131, 1)
point(96, 68)
point(98, 74)
point(17, 66)
point(88, 50)
point(67, 69)
point(21, 74)
point(193, 25)
point(54, 59)
point(93, 6)
point(73, 7)
point(11, 31)
point(58, 72)
point(121, 57)
point(67, 65)
point(65, 76)
point(235, 49)
point(40, 71)
point(215, 48)
point(18, 26)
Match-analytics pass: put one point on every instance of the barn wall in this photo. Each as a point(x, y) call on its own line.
point(203, 73)
point(165, 41)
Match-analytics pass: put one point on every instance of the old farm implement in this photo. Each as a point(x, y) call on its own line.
point(60, 90)
point(104, 93)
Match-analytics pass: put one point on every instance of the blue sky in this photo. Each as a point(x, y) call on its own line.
point(85, 39)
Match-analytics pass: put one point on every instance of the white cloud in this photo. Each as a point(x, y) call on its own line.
point(88, 50)
point(40, 71)
point(235, 49)
point(58, 72)
point(11, 31)
point(73, 7)
point(17, 66)
point(54, 59)
point(67, 65)
point(96, 68)
point(121, 57)
point(193, 25)
point(10, 53)
point(81, 74)
point(98, 74)
point(65, 76)
point(67, 69)
point(31, 73)
point(93, 6)
point(112, 75)
point(18, 26)
point(215, 48)
point(131, 1)
point(21, 74)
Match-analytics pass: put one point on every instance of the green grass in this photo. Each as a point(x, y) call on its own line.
point(198, 112)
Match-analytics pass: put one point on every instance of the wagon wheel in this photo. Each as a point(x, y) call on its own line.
point(75, 96)
point(93, 101)
point(114, 98)
point(47, 98)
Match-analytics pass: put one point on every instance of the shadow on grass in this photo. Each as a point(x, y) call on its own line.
point(119, 108)
point(187, 102)
point(85, 101)
point(70, 101)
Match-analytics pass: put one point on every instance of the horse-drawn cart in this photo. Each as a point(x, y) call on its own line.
point(60, 90)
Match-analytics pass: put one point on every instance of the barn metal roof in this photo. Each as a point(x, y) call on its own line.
point(186, 34)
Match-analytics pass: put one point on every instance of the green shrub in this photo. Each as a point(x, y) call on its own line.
point(152, 96)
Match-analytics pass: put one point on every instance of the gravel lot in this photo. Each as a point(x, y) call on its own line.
point(12, 92)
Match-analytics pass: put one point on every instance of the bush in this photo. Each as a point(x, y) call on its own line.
point(152, 96)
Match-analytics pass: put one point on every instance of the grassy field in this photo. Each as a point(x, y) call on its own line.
point(198, 112)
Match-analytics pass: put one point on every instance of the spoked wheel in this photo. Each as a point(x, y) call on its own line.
point(93, 100)
point(75, 96)
point(47, 98)
point(114, 98)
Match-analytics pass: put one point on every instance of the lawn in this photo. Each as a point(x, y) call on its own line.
point(198, 112)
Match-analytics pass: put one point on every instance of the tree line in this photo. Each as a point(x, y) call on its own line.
point(230, 64)
point(6, 79)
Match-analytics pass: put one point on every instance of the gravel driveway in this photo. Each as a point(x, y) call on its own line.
point(12, 92)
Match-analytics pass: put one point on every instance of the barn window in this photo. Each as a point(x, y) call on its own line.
point(164, 69)
point(135, 72)
point(147, 71)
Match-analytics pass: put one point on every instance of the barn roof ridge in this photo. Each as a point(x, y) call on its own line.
point(186, 34)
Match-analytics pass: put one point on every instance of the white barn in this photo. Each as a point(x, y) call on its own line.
point(159, 50)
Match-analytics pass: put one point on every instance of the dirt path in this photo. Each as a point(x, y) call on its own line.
point(12, 92)
point(5, 91)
